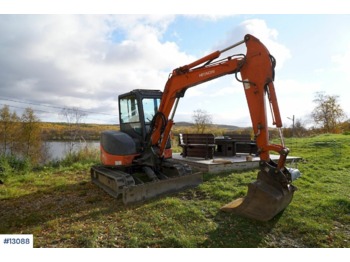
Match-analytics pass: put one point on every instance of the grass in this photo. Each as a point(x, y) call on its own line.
point(62, 208)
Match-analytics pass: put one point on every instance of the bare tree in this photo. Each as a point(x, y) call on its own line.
point(202, 119)
point(73, 117)
point(328, 112)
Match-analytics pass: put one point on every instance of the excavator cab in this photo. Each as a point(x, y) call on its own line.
point(136, 111)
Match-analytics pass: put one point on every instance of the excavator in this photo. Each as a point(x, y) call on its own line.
point(137, 164)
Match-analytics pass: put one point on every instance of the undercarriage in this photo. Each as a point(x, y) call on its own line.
point(139, 183)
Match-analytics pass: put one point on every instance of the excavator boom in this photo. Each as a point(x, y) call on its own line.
point(272, 191)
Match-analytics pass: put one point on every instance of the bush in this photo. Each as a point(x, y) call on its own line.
point(18, 164)
point(85, 155)
point(10, 164)
point(5, 168)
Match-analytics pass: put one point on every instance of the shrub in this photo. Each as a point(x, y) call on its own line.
point(5, 168)
point(85, 155)
point(10, 164)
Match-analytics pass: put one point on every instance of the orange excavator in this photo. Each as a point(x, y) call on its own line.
point(137, 161)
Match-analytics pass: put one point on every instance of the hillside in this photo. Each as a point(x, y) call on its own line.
point(63, 131)
point(227, 127)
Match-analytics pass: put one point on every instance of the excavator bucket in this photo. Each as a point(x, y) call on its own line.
point(264, 200)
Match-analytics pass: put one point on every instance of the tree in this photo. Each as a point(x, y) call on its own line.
point(5, 125)
point(297, 129)
point(201, 120)
point(328, 112)
point(14, 134)
point(20, 137)
point(9, 131)
point(31, 136)
point(74, 117)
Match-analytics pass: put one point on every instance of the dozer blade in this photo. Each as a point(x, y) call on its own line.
point(118, 183)
point(264, 200)
point(139, 193)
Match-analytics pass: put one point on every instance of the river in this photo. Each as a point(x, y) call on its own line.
point(58, 149)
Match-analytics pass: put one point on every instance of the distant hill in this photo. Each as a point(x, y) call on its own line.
point(62, 131)
point(187, 124)
point(228, 127)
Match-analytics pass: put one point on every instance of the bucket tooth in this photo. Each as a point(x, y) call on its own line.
point(264, 200)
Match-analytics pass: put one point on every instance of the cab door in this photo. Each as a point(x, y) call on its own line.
point(136, 111)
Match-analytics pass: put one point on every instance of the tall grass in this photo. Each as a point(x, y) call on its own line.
point(85, 155)
point(11, 165)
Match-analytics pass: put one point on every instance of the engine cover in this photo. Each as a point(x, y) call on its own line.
point(117, 143)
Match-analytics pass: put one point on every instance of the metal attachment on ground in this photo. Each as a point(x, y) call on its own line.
point(266, 196)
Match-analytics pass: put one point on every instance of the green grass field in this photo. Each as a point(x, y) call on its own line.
point(62, 208)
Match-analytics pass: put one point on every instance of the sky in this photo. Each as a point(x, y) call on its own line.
point(51, 62)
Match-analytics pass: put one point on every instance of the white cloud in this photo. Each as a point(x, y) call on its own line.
point(86, 61)
point(230, 87)
point(341, 62)
point(268, 36)
point(209, 17)
point(80, 61)
point(296, 97)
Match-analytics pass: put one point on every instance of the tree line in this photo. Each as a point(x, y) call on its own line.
point(20, 136)
point(326, 117)
point(24, 137)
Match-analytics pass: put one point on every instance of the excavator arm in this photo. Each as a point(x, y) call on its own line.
point(272, 191)
point(257, 71)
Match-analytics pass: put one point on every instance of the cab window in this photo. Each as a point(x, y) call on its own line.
point(150, 108)
point(129, 112)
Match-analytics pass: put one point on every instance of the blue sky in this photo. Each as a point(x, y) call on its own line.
point(86, 61)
